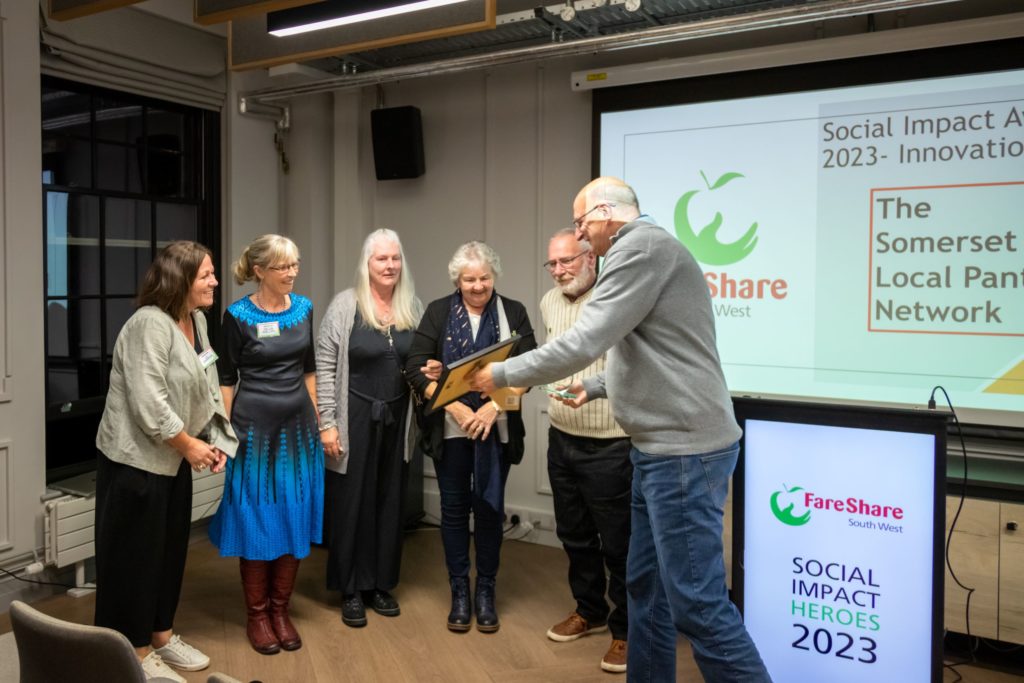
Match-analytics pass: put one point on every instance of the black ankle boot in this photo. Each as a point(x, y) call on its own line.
point(353, 611)
point(460, 616)
point(486, 614)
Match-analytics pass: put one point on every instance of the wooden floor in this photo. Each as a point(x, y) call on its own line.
point(416, 646)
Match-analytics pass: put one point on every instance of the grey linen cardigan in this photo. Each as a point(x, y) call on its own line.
point(158, 388)
point(332, 377)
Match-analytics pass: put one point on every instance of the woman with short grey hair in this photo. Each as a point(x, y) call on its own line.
point(474, 441)
point(472, 253)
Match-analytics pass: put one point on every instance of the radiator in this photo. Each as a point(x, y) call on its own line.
point(69, 521)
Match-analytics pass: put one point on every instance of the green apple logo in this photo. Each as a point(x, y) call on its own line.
point(705, 246)
point(786, 515)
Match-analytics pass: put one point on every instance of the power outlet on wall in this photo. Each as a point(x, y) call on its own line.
point(536, 519)
point(543, 521)
point(514, 516)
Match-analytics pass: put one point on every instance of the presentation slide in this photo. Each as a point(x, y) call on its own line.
point(862, 243)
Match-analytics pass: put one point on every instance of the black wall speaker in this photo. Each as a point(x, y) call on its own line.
point(397, 142)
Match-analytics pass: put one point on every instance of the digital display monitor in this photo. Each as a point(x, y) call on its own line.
point(838, 539)
point(861, 237)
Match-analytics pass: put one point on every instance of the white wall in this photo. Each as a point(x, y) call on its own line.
point(261, 197)
point(506, 150)
point(252, 180)
point(22, 452)
point(309, 210)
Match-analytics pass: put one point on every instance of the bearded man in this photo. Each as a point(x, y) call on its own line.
point(589, 470)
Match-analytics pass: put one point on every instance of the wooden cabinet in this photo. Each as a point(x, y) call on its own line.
point(988, 557)
point(974, 556)
point(1011, 573)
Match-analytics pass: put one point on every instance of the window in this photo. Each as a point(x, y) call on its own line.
point(122, 176)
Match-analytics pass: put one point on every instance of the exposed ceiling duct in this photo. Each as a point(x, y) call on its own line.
point(760, 19)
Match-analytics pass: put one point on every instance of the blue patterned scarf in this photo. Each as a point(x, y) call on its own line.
point(459, 343)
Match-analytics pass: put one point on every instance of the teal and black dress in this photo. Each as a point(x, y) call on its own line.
point(273, 487)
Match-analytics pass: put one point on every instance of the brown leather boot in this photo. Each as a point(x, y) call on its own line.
point(282, 581)
point(255, 585)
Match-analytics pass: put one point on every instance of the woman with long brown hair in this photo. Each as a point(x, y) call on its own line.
point(163, 417)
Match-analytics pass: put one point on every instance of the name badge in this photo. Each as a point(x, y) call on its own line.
point(271, 329)
point(207, 358)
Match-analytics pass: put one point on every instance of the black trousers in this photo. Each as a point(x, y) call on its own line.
point(591, 482)
point(363, 514)
point(142, 528)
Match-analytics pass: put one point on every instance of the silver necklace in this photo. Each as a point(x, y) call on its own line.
point(259, 303)
point(386, 320)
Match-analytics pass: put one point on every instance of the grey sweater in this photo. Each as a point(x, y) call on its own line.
point(158, 388)
point(651, 311)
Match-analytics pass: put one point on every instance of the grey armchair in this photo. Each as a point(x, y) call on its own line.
point(51, 649)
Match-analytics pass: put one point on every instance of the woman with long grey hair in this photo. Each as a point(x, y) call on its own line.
point(365, 426)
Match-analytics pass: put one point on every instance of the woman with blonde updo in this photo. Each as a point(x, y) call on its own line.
point(272, 508)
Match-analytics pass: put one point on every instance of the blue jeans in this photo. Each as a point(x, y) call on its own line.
point(675, 574)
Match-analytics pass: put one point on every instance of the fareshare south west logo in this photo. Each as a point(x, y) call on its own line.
point(786, 514)
point(738, 290)
point(705, 245)
point(869, 515)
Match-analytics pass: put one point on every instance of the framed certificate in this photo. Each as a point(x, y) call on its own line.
point(454, 380)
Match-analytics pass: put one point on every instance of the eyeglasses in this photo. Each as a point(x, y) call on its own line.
point(285, 268)
point(565, 261)
point(578, 221)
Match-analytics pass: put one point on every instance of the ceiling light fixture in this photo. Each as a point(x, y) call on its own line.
point(312, 17)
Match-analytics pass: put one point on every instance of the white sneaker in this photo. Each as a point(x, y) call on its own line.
point(181, 655)
point(153, 666)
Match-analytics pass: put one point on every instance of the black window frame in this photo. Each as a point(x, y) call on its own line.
point(69, 422)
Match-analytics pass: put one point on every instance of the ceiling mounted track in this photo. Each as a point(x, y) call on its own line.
point(647, 37)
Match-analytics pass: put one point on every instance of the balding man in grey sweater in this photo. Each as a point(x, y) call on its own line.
point(651, 311)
